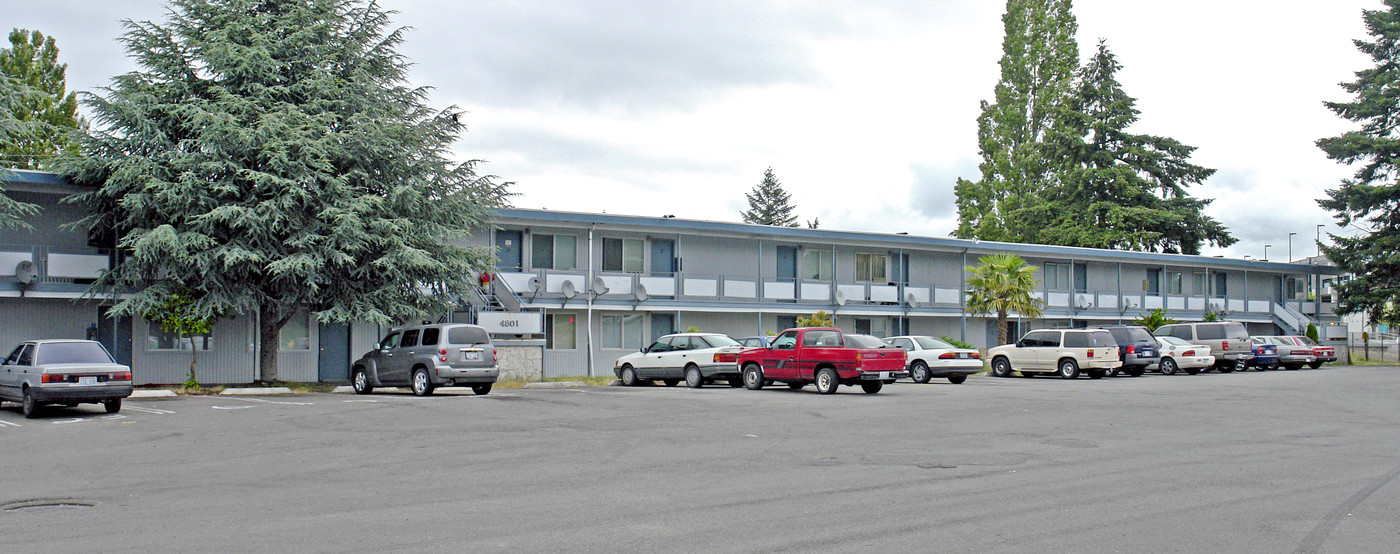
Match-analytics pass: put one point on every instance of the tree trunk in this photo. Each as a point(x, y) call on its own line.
point(1001, 328)
point(194, 359)
point(269, 339)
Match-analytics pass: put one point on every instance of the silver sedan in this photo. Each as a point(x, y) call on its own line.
point(68, 372)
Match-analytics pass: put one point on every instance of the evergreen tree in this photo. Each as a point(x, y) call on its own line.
point(14, 93)
point(1039, 57)
point(1368, 200)
point(1116, 189)
point(50, 112)
point(769, 204)
point(268, 157)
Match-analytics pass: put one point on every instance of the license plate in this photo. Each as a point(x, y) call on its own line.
point(88, 380)
point(884, 375)
point(962, 355)
point(473, 356)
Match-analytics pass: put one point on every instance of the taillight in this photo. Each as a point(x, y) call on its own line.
point(976, 355)
point(53, 378)
point(947, 356)
point(1130, 348)
point(1189, 353)
point(1224, 345)
point(726, 357)
point(442, 355)
point(1091, 352)
point(120, 376)
point(493, 355)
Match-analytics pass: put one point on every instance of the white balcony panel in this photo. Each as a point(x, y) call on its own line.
point(1176, 303)
point(701, 287)
point(945, 296)
point(779, 290)
point(8, 261)
point(1196, 303)
point(1236, 305)
point(1109, 302)
point(617, 284)
point(82, 266)
point(1083, 301)
point(884, 293)
point(740, 289)
point(920, 294)
point(555, 283)
point(816, 291)
point(853, 293)
point(659, 286)
point(1259, 306)
point(1057, 299)
point(1152, 302)
point(518, 282)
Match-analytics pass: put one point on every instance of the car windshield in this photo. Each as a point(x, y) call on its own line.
point(719, 341)
point(1280, 340)
point(864, 341)
point(1236, 331)
point(930, 343)
point(1173, 340)
point(72, 353)
point(1308, 341)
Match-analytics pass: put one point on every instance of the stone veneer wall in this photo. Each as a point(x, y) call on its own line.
point(520, 359)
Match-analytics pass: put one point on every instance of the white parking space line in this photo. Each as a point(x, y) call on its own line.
point(274, 401)
point(146, 410)
point(231, 407)
point(66, 421)
point(4, 423)
point(370, 401)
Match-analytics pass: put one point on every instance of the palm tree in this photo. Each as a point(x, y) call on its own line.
point(1002, 284)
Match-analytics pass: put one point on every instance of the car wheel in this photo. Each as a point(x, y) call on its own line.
point(1193, 371)
point(1315, 365)
point(360, 381)
point(871, 387)
point(1001, 367)
point(827, 381)
point(482, 390)
point(957, 379)
point(113, 406)
point(918, 371)
point(1168, 366)
point(796, 386)
point(28, 405)
point(671, 382)
point(753, 377)
point(422, 386)
point(693, 378)
point(1241, 364)
point(629, 376)
point(1272, 366)
point(1069, 368)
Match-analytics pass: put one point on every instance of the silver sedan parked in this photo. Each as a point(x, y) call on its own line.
point(68, 372)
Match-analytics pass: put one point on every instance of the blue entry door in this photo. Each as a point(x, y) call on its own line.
point(508, 250)
point(663, 257)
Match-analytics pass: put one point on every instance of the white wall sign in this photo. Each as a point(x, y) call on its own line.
point(511, 323)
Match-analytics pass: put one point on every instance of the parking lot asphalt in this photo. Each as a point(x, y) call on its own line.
point(1281, 461)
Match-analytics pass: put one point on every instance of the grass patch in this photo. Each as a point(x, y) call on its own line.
point(1364, 361)
point(597, 381)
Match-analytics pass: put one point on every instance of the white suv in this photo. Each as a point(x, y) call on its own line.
point(1062, 351)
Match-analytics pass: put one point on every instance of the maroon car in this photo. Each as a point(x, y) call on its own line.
point(820, 355)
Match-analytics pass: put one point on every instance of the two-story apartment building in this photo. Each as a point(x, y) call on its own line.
point(596, 286)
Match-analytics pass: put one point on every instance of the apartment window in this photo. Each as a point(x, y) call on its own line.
point(785, 322)
point(1056, 276)
point(296, 334)
point(1220, 282)
point(1153, 283)
point(878, 326)
point(816, 265)
point(1199, 284)
point(562, 332)
point(554, 252)
point(622, 331)
point(1174, 282)
point(870, 268)
point(623, 255)
point(159, 339)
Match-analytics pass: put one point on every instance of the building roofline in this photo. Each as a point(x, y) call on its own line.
point(25, 180)
point(799, 234)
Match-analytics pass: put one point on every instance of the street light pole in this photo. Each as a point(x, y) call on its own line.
point(1290, 247)
point(1266, 252)
point(1319, 239)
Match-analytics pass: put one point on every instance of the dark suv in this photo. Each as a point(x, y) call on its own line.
point(425, 357)
point(1136, 348)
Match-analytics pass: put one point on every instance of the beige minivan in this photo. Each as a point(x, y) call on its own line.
point(1063, 351)
point(1228, 341)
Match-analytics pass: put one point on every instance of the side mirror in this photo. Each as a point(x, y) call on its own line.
point(645, 349)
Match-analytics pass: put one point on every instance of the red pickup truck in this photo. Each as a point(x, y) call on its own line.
point(822, 356)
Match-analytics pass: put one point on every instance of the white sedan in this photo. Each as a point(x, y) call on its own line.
point(930, 357)
point(698, 358)
point(1179, 354)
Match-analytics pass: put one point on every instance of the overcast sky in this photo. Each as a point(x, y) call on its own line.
point(866, 111)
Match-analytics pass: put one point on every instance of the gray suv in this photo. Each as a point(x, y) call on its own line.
point(425, 357)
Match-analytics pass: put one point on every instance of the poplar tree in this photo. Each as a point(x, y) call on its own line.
point(769, 204)
point(1039, 58)
point(1368, 200)
point(268, 157)
point(1116, 189)
point(47, 112)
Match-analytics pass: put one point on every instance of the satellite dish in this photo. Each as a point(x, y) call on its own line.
point(24, 272)
point(599, 287)
point(567, 289)
point(840, 298)
point(533, 285)
point(910, 300)
point(640, 293)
